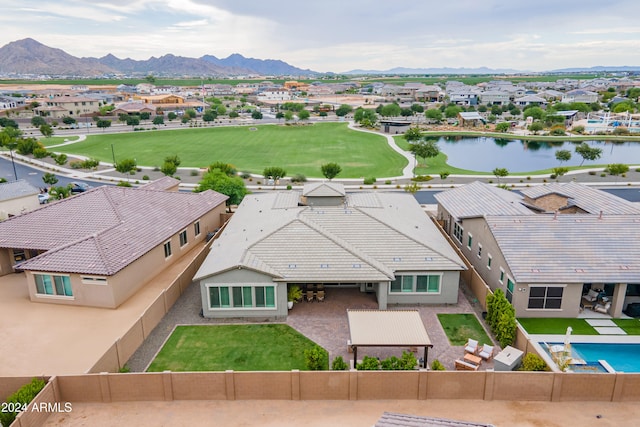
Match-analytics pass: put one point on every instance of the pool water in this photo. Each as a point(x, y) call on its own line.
point(621, 357)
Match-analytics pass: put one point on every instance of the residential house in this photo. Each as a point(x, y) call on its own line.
point(62, 106)
point(530, 100)
point(470, 118)
point(133, 108)
point(580, 95)
point(100, 247)
point(494, 97)
point(429, 93)
point(17, 197)
point(548, 247)
point(381, 243)
point(274, 94)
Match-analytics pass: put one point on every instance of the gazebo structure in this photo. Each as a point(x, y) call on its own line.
point(387, 328)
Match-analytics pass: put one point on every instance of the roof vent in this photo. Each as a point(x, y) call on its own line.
point(292, 266)
point(428, 258)
point(624, 267)
point(324, 265)
point(356, 265)
point(397, 259)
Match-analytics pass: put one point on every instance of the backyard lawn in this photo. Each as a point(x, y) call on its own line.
point(558, 326)
point(460, 327)
point(298, 149)
point(236, 347)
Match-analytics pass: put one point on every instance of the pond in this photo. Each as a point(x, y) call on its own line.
point(485, 154)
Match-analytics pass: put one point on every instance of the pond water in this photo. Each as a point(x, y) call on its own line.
point(485, 154)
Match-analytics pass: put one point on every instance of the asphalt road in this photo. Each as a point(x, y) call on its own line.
point(424, 197)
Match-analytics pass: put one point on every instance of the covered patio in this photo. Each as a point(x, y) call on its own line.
point(387, 328)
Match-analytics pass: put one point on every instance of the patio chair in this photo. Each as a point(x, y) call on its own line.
point(309, 296)
point(471, 346)
point(461, 365)
point(487, 352)
point(604, 309)
point(320, 295)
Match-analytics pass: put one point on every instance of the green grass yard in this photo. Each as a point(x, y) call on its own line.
point(558, 326)
point(298, 149)
point(460, 327)
point(236, 347)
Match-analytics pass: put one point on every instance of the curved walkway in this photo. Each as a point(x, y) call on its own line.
point(80, 139)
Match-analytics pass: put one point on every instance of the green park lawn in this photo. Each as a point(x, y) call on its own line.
point(298, 149)
point(460, 327)
point(236, 347)
point(55, 140)
point(558, 326)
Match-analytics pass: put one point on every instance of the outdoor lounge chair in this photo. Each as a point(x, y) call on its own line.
point(604, 309)
point(461, 365)
point(471, 346)
point(487, 352)
point(309, 296)
point(320, 295)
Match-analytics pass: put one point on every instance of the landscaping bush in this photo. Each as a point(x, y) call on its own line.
point(501, 318)
point(289, 187)
point(21, 398)
point(602, 175)
point(60, 159)
point(390, 364)
point(145, 177)
point(592, 172)
point(369, 181)
point(339, 364)
point(533, 362)
point(40, 152)
point(124, 184)
point(316, 358)
point(422, 178)
point(245, 175)
point(578, 129)
point(76, 164)
point(194, 172)
point(387, 182)
point(437, 366)
point(368, 364)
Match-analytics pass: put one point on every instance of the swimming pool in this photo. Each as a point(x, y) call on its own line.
point(621, 357)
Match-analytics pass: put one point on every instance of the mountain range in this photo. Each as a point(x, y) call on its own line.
point(29, 56)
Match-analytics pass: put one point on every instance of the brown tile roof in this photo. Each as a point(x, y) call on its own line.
point(162, 184)
point(105, 229)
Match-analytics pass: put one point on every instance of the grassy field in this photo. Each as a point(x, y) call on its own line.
point(558, 326)
point(55, 140)
point(436, 164)
point(460, 327)
point(237, 347)
point(298, 149)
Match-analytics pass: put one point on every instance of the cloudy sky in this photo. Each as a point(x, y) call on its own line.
point(340, 35)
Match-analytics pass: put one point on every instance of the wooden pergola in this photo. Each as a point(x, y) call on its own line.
point(387, 328)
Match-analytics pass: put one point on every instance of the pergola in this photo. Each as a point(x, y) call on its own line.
point(387, 328)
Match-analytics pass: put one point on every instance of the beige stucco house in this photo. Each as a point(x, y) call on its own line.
point(98, 248)
point(382, 243)
point(549, 246)
point(17, 197)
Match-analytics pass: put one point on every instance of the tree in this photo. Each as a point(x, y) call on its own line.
point(126, 165)
point(274, 173)
point(68, 120)
point(617, 169)
point(288, 116)
point(231, 186)
point(191, 113)
point(221, 110)
point(172, 116)
point(158, 120)
point(233, 114)
point(303, 115)
point(330, 170)
point(343, 110)
point(37, 121)
point(103, 124)
point(365, 117)
point(173, 159)
point(417, 108)
point(49, 179)
point(256, 115)
point(60, 159)
point(433, 115)
point(145, 115)
point(500, 173)
point(390, 110)
point(452, 111)
point(559, 171)
point(209, 116)
point(59, 193)
point(46, 131)
point(133, 121)
point(588, 153)
point(424, 149)
point(279, 115)
point(536, 112)
point(168, 168)
point(563, 155)
point(412, 134)
point(150, 78)
point(536, 127)
point(226, 168)
point(503, 127)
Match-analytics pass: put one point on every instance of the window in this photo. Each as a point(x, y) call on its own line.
point(489, 259)
point(501, 279)
point(545, 297)
point(183, 238)
point(49, 284)
point(196, 228)
point(429, 284)
point(469, 240)
point(457, 232)
point(510, 287)
point(479, 251)
point(167, 249)
point(94, 280)
point(242, 297)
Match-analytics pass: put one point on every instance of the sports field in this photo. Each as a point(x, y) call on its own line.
point(298, 149)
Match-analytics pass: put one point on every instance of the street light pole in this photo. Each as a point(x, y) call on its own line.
point(13, 164)
point(113, 154)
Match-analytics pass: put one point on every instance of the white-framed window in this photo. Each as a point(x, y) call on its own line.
point(416, 283)
point(232, 297)
point(167, 249)
point(510, 288)
point(183, 238)
point(545, 297)
point(489, 259)
point(458, 231)
point(196, 228)
point(53, 284)
point(479, 251)
point(501, 279)
point(94, 280)
point(469, 240)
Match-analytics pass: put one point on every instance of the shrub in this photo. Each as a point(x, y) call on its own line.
point(369, 181)
point(528, 178)
point(533, 362)
point(76, 164)
point(578, 129)
point(90, 163)
point(298, 178)
point(422, 178)
point(339, 364)
point(40, 152)
point(553, 176)
point(437, 366)
point(387, 182)
point(132, 172)
point(245, 175)
point(316, 358)
point(60, 159)
point(408, 361)
point(368, 364)
point(289, 187)
point(390, 364)
point(21, 398)
point(194, 172)
point(602, 175)
point(145, 177)
point(156, 169)
point(592, 172)
point(444, 175)
point(124, 184)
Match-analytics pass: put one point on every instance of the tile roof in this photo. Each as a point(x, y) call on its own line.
point(330, 243)
point(104, 229)
point(323, 189)
point(478, 199)
point(15, 189)
point(589, 199)
point(570, 248)
point(161, 184)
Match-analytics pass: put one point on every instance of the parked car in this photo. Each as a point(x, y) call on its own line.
point(43, 198)
point(79, 187)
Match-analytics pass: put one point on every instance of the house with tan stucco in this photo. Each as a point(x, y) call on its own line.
point(100, 247)
point(17, 197)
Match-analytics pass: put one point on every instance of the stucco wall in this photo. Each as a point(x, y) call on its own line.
point(448, 292)
point(18, 206)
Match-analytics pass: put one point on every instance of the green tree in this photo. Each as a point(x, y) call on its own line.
point(227, 168)
point(274, 173)
point(231, 186)
point(169, 168)
point(503, 127)
point(390, 110)
point(452, 111)
point(343, 110)
point(280, 115)
point(256, 115)
point(209, 115)
point(103, 124)
point(588, 153)
point(68, 120)
point(303, 115)
point(433, 115)
point(172, 116)
point(133, 121)
point(424, 149)
point(412, 134)
point(145, 115)
point(221, 110)
point(126, 166)
point(563, 155)
point(150, 78)
point(61, 159)
point(190, 113)
point(49, 179)
point(330, 170)
point(37, 121)
point(316, 358)
point(536, 112)
point(173, 159)
point(559, 171)
point(25, 146)
point(46, 131)
point(533, 362)
point(625, 106)
point(61, 192)
point(417, 108)
point(500, 173)
point(288, 116)
point(365, 117)
point(158, 120)
point(339, 364)
point(617, 169)
point(536, 127)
